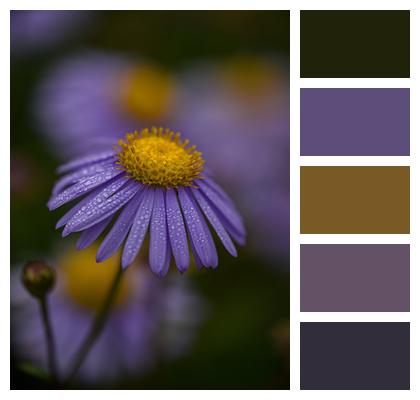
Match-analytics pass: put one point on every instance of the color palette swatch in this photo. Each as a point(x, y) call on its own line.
point(355, 44)
point(355, 200)
point(355, 355)
point(361, 199)
point(355, 122)
point(355, 277)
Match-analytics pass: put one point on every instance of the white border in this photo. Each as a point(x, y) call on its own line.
point(295, 84)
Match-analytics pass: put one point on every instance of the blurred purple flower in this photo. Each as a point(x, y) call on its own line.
point(32, 30)
point(238, 112)
point(151, 318)
point(94, 98)
point(157, 181)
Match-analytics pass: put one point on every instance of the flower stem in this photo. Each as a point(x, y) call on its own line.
point(52, 360)
point(96, 328)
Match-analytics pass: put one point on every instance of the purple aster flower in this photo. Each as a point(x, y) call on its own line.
point(93, 98)
point(31, 30)
point(243, 103)
point(156, 184)
point(152, 319)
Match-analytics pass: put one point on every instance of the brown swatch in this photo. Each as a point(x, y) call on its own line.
point(354, 200)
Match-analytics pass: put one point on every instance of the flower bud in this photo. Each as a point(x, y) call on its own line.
point(38, 278)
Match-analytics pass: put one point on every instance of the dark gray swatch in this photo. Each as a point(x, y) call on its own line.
point(355, 355)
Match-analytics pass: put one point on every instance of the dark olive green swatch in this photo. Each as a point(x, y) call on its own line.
point(355, 44)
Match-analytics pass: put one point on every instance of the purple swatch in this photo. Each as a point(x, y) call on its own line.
point(355, 122)
point(355, 278)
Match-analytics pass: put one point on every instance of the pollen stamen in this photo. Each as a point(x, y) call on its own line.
point(159, 157)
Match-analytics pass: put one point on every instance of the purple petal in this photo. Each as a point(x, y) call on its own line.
point(225, 208)
point(83, 186)
point(217, 188)
point(176, 230)
point(198, 229)
point(83, 161)
point(87, 199)
point(199, 264)
point(167, 262)
point(103, 192)
point(91, 234)
point(102, 206)
point(119, 231)
point(139, 228)
point(72, 212)
point(72, 178)
point(238, 236)
point(158, 234)
point(215, 222)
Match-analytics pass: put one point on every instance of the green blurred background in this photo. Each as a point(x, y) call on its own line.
point(244, 344)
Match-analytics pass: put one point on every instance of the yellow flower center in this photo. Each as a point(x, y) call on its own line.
point(147, 92)
point(87, 282)
point(159, 157)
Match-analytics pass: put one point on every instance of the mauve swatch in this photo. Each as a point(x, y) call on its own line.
point(355, 122)
point(355, 355)
point(355, 277)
